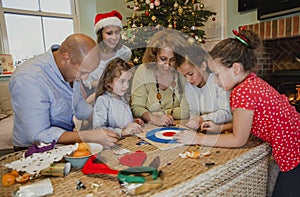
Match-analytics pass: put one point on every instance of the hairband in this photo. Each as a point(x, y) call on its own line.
point(240, 37)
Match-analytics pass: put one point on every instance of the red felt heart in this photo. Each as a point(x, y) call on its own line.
point(134, 159)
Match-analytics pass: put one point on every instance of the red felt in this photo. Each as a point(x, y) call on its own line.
point(134, 159)
point(97, 168)
point(169, 133)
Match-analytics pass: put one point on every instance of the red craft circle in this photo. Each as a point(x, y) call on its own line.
point(169, 133)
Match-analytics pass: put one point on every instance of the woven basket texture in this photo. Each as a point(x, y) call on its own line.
point(237, 172)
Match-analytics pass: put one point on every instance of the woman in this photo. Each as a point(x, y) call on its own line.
point(108, 28)
point(157, 91)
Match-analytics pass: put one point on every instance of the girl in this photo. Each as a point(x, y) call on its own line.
point(206, 100)
point(108, 28)
point(157, 88)
point(111, 110)
point(257, 108)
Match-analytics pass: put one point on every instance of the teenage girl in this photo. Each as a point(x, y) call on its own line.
point(107, 27)
point(257, 108)
point(111, 110)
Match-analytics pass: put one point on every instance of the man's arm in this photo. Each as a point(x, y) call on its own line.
point(106, 138)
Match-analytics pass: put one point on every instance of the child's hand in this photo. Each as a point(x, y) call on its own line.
point(139, 121)
point(187, 137)
point(131, 129)
point(194, 122)
point(210, 126)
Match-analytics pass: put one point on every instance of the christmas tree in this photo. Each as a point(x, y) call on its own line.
point(150, 16)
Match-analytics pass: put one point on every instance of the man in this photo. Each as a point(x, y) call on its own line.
point(45, 94)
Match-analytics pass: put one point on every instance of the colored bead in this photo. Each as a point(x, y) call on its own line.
point(158, 96)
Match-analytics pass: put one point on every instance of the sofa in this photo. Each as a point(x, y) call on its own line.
point(6, 117)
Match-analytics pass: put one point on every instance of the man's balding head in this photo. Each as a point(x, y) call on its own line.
point(79, 56)
point(78, 46)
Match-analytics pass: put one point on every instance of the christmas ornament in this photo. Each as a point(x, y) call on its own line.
point(156, 2)
point(153, 18)
point(190, 40)
point(180, 10)
point(176, 5)
point(201, 41)
point(136, 60)
point(133, 25)
point(151, 5)
point(136, 3)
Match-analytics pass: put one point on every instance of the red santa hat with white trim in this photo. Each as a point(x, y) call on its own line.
point(105, 19)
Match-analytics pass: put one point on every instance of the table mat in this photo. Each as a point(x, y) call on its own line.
point(175, 170)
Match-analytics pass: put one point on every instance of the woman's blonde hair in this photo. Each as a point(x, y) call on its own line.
point(167, 38)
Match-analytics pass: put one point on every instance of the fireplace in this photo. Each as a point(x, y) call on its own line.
point(288, 82)
point(278, 61)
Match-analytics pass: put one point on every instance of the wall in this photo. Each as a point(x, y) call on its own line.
point(236, 19)
point(87, 12)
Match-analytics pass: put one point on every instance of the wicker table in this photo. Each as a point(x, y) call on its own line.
point(237, 172)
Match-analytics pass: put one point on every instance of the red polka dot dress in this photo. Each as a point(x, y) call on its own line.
point(275, 120)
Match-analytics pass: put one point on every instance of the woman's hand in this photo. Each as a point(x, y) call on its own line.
point(162, 120)
point(188, 137)
point(131, 129)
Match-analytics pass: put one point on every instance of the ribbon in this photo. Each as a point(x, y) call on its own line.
point(240, 37)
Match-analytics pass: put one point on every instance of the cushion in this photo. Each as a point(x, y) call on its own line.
point(5, 102)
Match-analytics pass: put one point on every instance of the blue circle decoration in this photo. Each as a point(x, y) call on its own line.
point(151, 134)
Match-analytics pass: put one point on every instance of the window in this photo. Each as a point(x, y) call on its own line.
point(32, 26)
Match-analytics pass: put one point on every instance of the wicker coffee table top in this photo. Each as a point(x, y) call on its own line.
point(178, 174)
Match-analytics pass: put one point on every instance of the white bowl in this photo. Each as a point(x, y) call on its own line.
point(78, 162)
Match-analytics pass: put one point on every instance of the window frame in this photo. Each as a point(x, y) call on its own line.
point(4, 46)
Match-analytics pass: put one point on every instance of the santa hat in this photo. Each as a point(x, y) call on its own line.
point(106, 19)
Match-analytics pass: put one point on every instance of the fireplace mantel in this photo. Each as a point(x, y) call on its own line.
point(278, 28)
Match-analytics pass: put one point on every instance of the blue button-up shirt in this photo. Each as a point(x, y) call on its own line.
point(43, 102)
